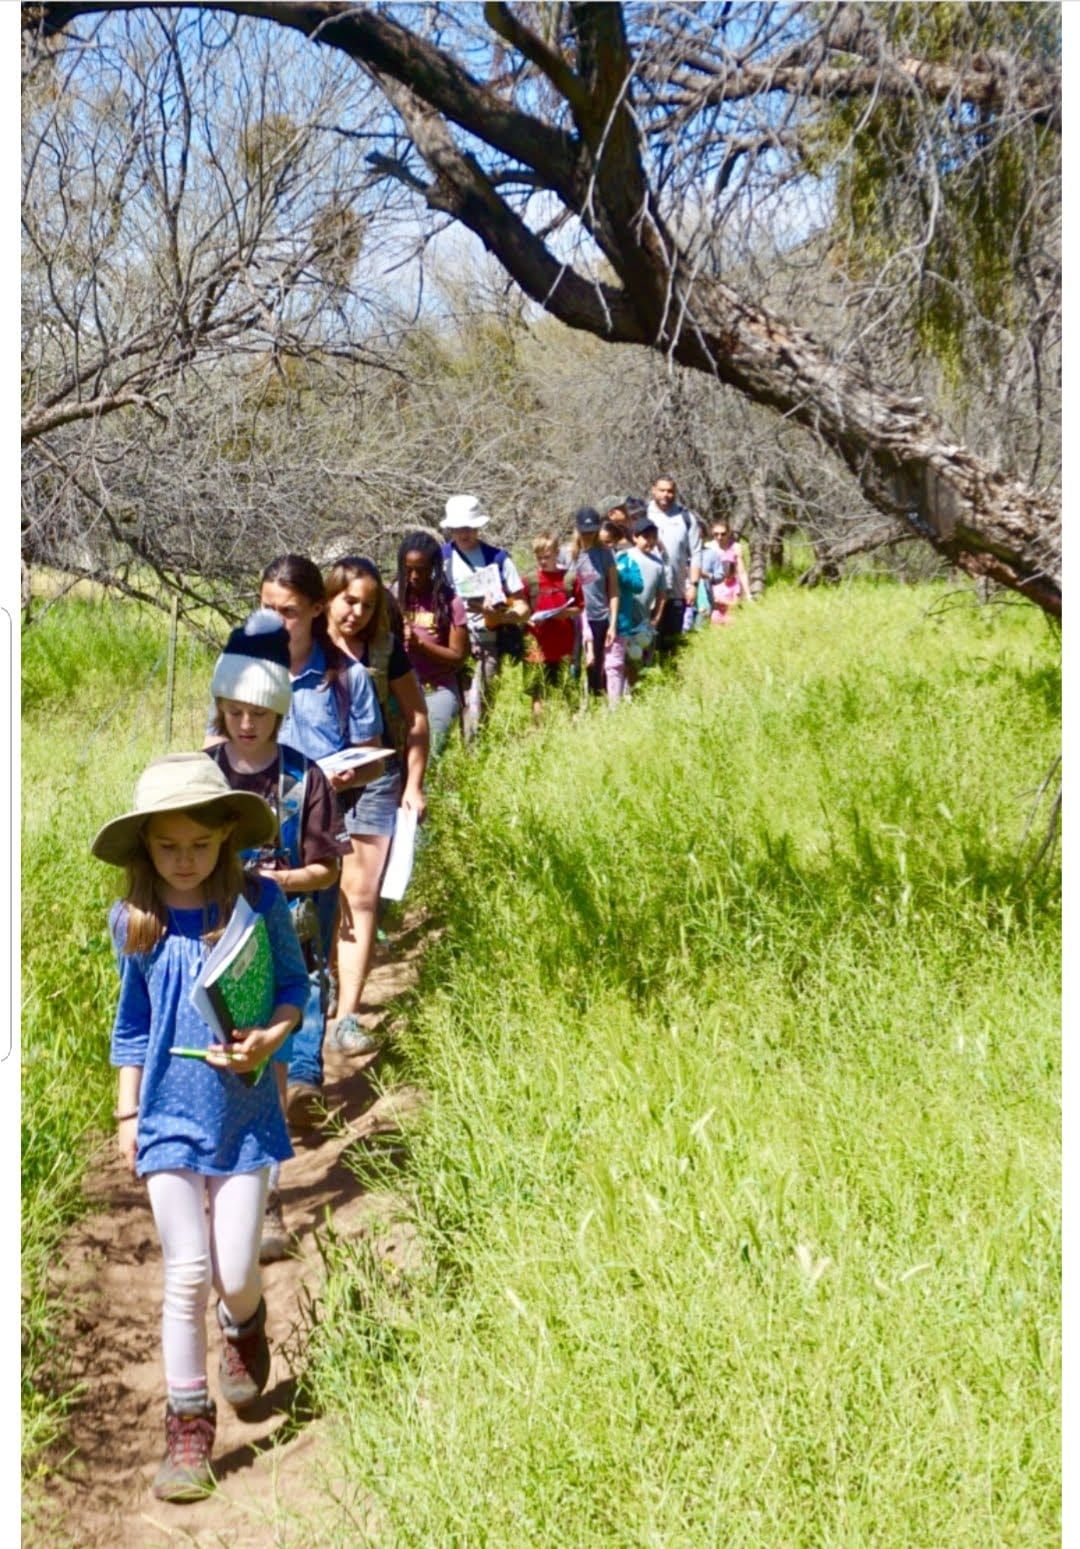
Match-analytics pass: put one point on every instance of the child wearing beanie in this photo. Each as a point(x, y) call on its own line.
point(252, 692)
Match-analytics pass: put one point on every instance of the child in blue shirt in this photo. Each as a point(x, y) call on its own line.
point(252, 695)
point(630, 616)
point(200, 1135)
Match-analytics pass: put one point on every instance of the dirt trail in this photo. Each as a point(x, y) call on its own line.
point(110, 1277)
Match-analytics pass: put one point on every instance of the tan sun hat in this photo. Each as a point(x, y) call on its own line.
point(184, 782)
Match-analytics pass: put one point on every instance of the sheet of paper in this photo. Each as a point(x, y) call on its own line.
point(549, 613)
point(402, 853)
point(352, 758)
point(483, 584)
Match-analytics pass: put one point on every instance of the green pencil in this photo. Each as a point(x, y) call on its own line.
point(201, 1054)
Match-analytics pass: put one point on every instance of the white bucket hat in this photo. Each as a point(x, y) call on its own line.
point(464, 511)
point(183, 782)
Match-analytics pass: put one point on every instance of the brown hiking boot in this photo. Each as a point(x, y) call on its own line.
point(305, 1108)
point(185, 1473)
point(245, 1358)
point(275, 1241)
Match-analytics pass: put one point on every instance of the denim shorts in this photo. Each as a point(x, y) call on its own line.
point(373, 808)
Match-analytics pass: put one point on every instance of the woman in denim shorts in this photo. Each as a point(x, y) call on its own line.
point(365, 626)
point(333, 706)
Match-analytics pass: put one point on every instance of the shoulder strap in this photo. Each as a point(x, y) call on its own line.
point(341, 700)
point(378, 665)
point(495, 556)
point(294, 764)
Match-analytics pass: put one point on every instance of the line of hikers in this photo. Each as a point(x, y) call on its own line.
point(323, 666)
point(634, 579)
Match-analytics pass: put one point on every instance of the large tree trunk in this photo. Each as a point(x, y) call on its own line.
point(761, 534)
point(776, 547)
point(981, 521)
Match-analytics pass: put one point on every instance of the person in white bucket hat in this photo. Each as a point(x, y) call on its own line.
point(194, 1116)
point(495, 627)
point(464, 512)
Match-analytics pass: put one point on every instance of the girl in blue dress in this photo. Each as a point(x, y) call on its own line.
point(203, 1138)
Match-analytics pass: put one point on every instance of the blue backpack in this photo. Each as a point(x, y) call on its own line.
point(509, 639)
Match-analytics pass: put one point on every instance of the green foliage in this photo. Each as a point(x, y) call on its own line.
point(738, 1185)
point(269, 147)
point(966, 194)
point(737, 1190)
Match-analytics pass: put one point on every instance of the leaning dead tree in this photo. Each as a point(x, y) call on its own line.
point(605, 154)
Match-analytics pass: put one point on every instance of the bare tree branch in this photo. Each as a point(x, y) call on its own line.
point(635, 195)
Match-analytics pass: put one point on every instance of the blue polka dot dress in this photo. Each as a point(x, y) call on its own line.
point(192, 1115)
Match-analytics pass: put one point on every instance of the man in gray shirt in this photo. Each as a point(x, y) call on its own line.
point(680, 535)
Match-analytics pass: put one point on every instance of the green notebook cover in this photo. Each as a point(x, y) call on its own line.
point(241, 990)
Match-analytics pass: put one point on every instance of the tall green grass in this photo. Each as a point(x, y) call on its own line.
point(738, 1183)
point(93, 706)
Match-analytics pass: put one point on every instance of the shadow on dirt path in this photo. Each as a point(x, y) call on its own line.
point(270, 1463)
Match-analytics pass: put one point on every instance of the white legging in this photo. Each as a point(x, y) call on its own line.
point(222, 1250)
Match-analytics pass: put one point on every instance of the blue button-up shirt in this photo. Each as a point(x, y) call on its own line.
point(317, 723)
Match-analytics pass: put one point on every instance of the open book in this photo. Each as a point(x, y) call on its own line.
point(482, 588)
point(551, 613)
point(235, 987)
point(348, 759)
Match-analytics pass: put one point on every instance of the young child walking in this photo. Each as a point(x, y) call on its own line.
point(334, 706)
point(252, 694)
point(724, 572)
point(202, 1138)
point(630, 618)
point(550, 650)
point(436, 630)
point(592, 571)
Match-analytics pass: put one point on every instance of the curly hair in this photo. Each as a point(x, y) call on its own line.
point(441, 594)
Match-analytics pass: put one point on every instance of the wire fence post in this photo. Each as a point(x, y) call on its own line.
point(170, 675)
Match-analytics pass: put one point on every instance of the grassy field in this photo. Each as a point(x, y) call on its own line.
point(738, 1186)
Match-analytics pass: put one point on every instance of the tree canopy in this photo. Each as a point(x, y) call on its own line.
point(848, 214)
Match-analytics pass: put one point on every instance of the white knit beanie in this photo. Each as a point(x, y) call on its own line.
point(254, 666)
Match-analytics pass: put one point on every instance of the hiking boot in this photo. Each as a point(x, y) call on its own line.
point(185, 1473)
point(274, 1243)
point(347, 1036)
point(304, 1106)
point(245, 1358)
